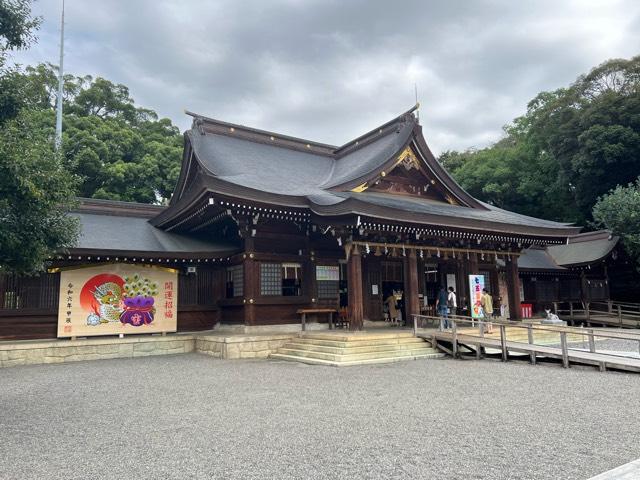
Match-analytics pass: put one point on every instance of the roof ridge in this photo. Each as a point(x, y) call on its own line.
point(365, 137)
point(229, 129)
point(589, 236)
point(99, 206)
point(296, 143)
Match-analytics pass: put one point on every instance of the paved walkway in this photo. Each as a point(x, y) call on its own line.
point(192, 416)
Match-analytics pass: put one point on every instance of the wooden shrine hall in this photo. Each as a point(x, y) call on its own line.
point(261, 225)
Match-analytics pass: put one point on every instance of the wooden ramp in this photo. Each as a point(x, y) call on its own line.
point(514, 343)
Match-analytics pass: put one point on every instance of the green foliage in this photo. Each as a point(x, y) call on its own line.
point(17, 28)
point(619, 211)
point(572, 146)
point(35, 193)
point(118, 151)
point(16, 25)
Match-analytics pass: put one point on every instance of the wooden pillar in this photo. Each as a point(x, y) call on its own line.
point(251, 284)
point(354, 289)
point(473, 264)
point(473, 269)
point(412, 301)
point(462, 285)
point(513, 287)
point(309, 282)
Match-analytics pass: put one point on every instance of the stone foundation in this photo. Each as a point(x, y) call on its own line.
point(242, 346)
point(61, 351)
point(217, 345)
point(284, 328)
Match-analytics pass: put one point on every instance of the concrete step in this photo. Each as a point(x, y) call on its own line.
point(317, 361)
point(359, 342)
point(348, 357)
point(356, 336)
point(356, 349)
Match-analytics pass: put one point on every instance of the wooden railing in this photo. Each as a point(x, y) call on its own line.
point(587, 354)
point(620, 314)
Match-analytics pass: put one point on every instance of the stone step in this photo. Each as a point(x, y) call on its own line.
point(296, 345)
point(359, 342)
point(317, 361)
point(347, 357)
point(357, 336)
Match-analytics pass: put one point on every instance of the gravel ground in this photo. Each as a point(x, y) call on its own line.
point(192, 416)
point(617, 345)
point(609, 345)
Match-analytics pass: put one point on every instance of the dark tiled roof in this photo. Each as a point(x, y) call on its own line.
point(419, 205)
point(112, 232)
point(536, 259)
point(261, 166)
point(581, 249)
point(275, 168)
point(585, 248)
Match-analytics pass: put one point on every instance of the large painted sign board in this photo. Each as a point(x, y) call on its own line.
point(117, 298)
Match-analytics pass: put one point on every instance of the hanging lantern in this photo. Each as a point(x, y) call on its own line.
point(367, 248)
point(386, 250)
point(421, 253)
point(438, 253)
point(404, 253)
point(378, 252)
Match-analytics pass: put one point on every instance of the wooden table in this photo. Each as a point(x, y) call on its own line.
point(305, 311)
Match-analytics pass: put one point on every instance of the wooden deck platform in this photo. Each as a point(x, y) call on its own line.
point(601, 360)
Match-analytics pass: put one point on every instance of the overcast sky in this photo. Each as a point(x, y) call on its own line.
point(332, 70)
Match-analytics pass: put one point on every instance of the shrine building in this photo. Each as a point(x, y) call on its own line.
point(261, 225)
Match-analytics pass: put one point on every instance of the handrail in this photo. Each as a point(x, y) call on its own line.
point(603, 359)
point(546, 328)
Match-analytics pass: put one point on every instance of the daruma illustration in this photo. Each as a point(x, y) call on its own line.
point(124, 296)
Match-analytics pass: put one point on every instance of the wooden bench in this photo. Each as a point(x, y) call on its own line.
point(304, 311)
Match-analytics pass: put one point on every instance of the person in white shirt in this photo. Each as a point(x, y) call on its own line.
point(452, 301)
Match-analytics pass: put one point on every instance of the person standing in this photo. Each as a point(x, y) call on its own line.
point(393, 310)
point(442, 308)
point(486, 302)
point(452, 302)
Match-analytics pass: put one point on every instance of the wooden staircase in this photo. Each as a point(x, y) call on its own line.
point(355, 348)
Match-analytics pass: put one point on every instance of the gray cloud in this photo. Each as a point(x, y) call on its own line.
point(331, 70)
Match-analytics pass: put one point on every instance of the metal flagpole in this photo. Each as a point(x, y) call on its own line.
point(60, 85)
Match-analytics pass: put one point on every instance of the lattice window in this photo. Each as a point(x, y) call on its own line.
point(270, 279)
point(328, 289)
point(235, 281)
point(291, 279)
point(487, 281)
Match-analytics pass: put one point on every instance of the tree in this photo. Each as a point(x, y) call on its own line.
point(36, 191)
point(572, 146)
point(17, 25)
point(619, 211)
point(118, 151)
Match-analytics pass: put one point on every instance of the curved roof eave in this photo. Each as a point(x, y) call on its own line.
point(352, 206)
